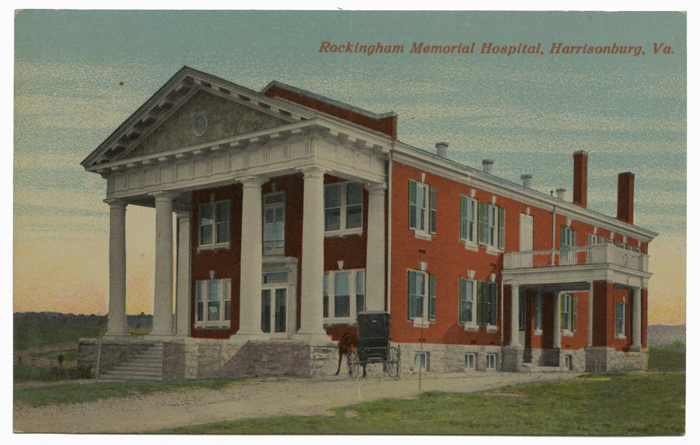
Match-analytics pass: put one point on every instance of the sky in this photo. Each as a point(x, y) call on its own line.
point(79, 74)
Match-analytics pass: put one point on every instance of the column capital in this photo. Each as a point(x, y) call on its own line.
point(252, 180)
point(312, 171)
point(116, 203)
point(165, 195)
point(181, 214)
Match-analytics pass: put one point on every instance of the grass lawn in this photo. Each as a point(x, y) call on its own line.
point(608, 404)
point(33, 335)
point(69, 355)
point(667, 357)
point(77, 393)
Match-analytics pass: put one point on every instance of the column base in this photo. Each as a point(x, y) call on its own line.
point(635, 348)
point(161, 334)
point(316, 339)
point(512, 359)
point(117, 333)
point(243, 337)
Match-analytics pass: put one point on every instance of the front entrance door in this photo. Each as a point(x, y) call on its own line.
point(274, 311)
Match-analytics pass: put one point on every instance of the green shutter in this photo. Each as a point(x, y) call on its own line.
point(462, 300)
point(561, 309)
point(412, 209)
point(573, 313)
point(411, 290)
point(493, 306)
point(562, 236)
point(433, 211)
point(483, 223)
point(431, 298)
point(462, 217)
point(501, 227)
point(480, 302)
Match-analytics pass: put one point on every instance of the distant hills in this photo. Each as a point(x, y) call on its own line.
point(664, 334)
point(140, 321)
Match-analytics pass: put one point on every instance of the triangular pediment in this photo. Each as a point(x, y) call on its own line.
point(165, 121)
point(203, 118)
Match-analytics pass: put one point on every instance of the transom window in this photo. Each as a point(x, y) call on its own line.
point(343, 295)
point(421, 295)
point(213, 304)
point(214, 225)
point(343, 208)
point(422, 208)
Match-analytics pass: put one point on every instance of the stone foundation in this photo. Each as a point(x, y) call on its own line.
point(600, 359)
point(447, 359)
point(513, 357)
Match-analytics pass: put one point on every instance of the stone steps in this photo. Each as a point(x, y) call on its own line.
point(146, 366)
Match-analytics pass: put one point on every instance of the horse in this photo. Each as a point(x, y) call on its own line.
point(347, 344)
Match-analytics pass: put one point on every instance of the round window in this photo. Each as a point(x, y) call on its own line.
point(199, 124)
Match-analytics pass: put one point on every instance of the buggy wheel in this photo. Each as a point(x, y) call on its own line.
point(353, 363)
point(394, 362)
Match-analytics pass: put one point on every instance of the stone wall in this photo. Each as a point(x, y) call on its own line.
point(264, 358)
point(446, 359)
point(174, 360)
point(609, 360)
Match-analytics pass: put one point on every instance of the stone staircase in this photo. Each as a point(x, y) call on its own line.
point(146, 366)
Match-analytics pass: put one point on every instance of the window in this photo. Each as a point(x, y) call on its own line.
point(491, 225)
point(490, 361)
point(466, 301)
point(343, 295)
point(422, 208)
point(486, 303)
point(538, 312)
point(470, 360)
point(273, 233)
point(343, 208)
point(213, 303)
point(214, 225)
point(417, 298)
point(567, 239)
point(568, 312)
point(466, 218)
point(422, 361)
point(620, 330)
point(521, 311)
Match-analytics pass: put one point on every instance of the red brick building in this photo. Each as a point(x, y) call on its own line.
point(294, 212)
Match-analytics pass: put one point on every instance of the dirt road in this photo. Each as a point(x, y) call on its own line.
point(262, 397)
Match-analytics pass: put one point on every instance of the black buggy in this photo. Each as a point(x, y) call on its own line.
point(373, 345)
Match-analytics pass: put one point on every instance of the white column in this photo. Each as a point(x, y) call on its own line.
point(636, 319)
point(557, 320)
point(590, 314)
point(312, 258)
point(116, 317)
point(163, 293)
point(375, 270)
point(184, 275)
point(251, 260)
point(514, 315)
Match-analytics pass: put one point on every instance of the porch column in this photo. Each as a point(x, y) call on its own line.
point(163, 293)
point(374, 270)
point(590, 314)
point(312, 258)
point(557, 320)
point(514, 315)
point(251, 260)
point(184, 275)
point(116, 317)
point(636, 319)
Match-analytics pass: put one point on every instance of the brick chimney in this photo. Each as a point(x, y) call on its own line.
point(581, 178)
point(625, 197)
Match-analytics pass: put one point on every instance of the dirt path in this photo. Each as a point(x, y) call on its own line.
point(246, 399)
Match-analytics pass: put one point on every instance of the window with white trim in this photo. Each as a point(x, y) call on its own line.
point(467, 219)
point(567, 239)
point(422, 208)
point(567, 310)
point(486, 303)
point(470, 360)
point(490, 361)
point(343, 295)
point(213, 304)
point(422, 361)
point(466, 301)
point(421, 295)
point(214, 225)
point(538, 312)
point(620, 327)
point(343, 208)
point(273, 232)
point(491, 227)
